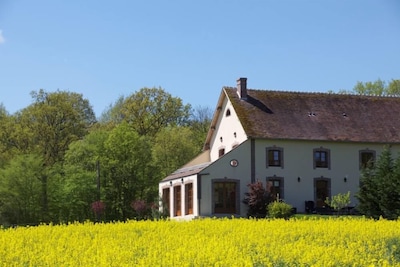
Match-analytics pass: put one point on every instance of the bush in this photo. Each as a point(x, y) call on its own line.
point(257, 200)
point(279, 209)
point(339, 202)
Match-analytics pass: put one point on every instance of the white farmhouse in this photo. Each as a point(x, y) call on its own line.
point(303, 146)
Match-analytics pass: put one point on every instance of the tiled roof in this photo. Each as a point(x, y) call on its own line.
point(318, 116)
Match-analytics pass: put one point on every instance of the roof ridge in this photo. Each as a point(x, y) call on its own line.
point(319, 93)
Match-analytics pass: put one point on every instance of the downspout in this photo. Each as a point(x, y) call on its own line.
point(252, 160)
point(199, 192)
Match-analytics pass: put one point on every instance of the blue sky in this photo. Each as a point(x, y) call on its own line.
point(105, 49)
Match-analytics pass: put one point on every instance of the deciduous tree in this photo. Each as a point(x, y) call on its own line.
point(83, 178)
point(378, 87)
point(130, 172)
point(151, 109)
point(49, 125)
point(200, 121)
point(173, 147)
point(20, 190)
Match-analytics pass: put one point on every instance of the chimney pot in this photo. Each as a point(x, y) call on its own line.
point(242, 88)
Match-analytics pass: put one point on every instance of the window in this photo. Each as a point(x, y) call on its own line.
point(275, 187)
point(189, 198)
point(225, 197)
point(177, 200)
point(274, 157)
point(165, 199)
point(367, 158)
point(221, 152)
point(322, 158)
point(228, 112)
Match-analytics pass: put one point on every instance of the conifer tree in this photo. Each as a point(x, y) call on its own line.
point(379, 193)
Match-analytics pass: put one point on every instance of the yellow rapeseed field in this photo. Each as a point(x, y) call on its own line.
point(206, 242)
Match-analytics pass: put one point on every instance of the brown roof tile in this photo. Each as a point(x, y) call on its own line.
point(318, 116)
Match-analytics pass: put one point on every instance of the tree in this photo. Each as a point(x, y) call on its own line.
point(200, 121)
point(151, 109)
point(257, 199)
point(394, 88)
point(6, 130)
point(57, 119)
point(82, 169)
point(20, 190)
point(113, 114)
point(173, 147)
point(377, 87)
point(370, 88)
point(48, 126)
point(129, 171)
point(379, 193)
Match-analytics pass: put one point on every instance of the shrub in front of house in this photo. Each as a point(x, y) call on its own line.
point(279, 209)
point(339, 202)
point(257, 199)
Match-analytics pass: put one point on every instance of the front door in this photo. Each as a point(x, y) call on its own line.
point(322, 191)
point(224, 197)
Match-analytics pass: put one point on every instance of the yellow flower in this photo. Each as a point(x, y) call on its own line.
point(206, 242)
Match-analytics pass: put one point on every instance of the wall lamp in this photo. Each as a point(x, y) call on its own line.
point(345, 179)
point(170, 183)
point(298, 179)
point(182, 180)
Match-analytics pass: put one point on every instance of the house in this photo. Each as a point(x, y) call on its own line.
point(304, 147)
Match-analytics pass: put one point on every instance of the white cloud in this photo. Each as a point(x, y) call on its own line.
point(2, 40)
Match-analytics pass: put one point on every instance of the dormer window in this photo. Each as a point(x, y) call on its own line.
point(228, 112)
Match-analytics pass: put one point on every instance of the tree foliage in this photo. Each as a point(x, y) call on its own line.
point(151, 109)
point(131, 174)
point(6, 131)
point(49, 125)
point(257, 199)
point(87, 165)
point(82, 168)
point(378, 87)
point(173, 147)
point(199, 123)
point(57, 119)
point(113, 114)
point(379, 193)
point(20, 190)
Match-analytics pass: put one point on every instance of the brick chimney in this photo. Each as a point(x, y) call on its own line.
point(242, 88)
